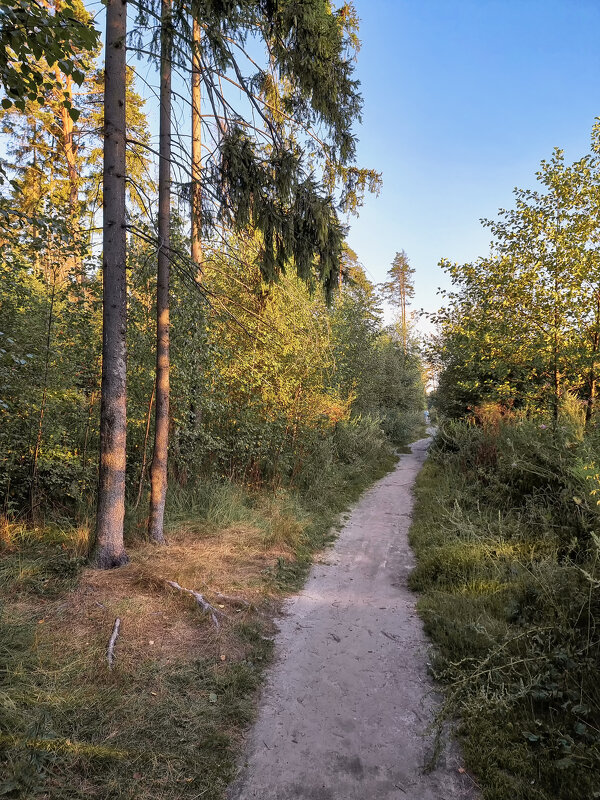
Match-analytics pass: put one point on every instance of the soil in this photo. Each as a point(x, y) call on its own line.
point(347, 709)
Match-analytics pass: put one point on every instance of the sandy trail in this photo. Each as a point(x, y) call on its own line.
point(345, 709)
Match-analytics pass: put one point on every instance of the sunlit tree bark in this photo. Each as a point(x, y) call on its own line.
point(196, 150)
point(158, 475)
point(109, 550)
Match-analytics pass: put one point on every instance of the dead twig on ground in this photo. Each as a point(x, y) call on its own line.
point(200, 599)
point(112, 642)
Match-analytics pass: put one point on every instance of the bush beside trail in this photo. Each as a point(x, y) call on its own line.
point(506, 536)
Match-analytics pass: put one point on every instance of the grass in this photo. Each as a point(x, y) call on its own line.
point(167, 721)
point(514, 621)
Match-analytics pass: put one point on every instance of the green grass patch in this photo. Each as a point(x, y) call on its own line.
point(70, 728)
point(514, 617)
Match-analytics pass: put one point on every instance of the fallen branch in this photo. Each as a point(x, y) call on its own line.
point(199, 598)
point(234, 601)
point(112, 642)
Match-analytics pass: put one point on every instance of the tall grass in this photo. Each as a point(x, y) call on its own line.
point(508, 569)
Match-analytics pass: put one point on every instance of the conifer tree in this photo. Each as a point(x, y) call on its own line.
point(109, 550)
point(262, 181)
point(158, 472)
point(399, 290)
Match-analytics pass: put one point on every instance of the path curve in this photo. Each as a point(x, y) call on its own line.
point(345, 708)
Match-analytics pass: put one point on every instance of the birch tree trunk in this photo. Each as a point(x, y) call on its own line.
point(109, 550)
point(158, 474)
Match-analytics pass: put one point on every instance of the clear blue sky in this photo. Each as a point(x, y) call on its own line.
point(463, 98)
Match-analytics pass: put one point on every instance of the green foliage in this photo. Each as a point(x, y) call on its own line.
point(269, 386)
point(271, 194)
point(48, 374)
point(522, 326)
point(508, 567)
point(36, 34)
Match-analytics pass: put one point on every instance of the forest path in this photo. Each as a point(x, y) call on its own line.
point(346, 707)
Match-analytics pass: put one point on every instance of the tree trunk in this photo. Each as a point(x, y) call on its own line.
point(196, 193)
point(555, 353)
point(38, 441)
point(404, 318)
point(589, 409)
point(158, 479)
point(143, 470)
point(196, 151)
point(68, 144)
point(87, 434)
point(109, 550)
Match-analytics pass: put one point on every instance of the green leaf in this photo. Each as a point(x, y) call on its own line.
point(212, 697)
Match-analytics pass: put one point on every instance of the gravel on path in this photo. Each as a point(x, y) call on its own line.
point(346, 708)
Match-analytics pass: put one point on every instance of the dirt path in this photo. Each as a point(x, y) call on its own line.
point(345, 708)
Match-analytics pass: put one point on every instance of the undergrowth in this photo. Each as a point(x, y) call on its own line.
point(505, 533)
point(166, 721)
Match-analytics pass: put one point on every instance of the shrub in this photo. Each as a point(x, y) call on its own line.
point(508, 566)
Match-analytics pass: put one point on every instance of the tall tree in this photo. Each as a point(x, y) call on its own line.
point(196, 184)
point(109, 550)
point(399, 290)
point(257, 177)
point(158, 473)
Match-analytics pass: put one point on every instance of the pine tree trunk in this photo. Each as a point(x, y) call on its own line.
point(109, 550)
point(68, 144)
point(196, 151)
point(145, 449)
point(158, 479)
point(196, 221)
point(404, 319)
point(555, 354)
point(73, 264)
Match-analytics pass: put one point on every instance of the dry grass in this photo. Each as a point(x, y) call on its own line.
point(158, 623)
point(170, 661)
point(165, 723)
